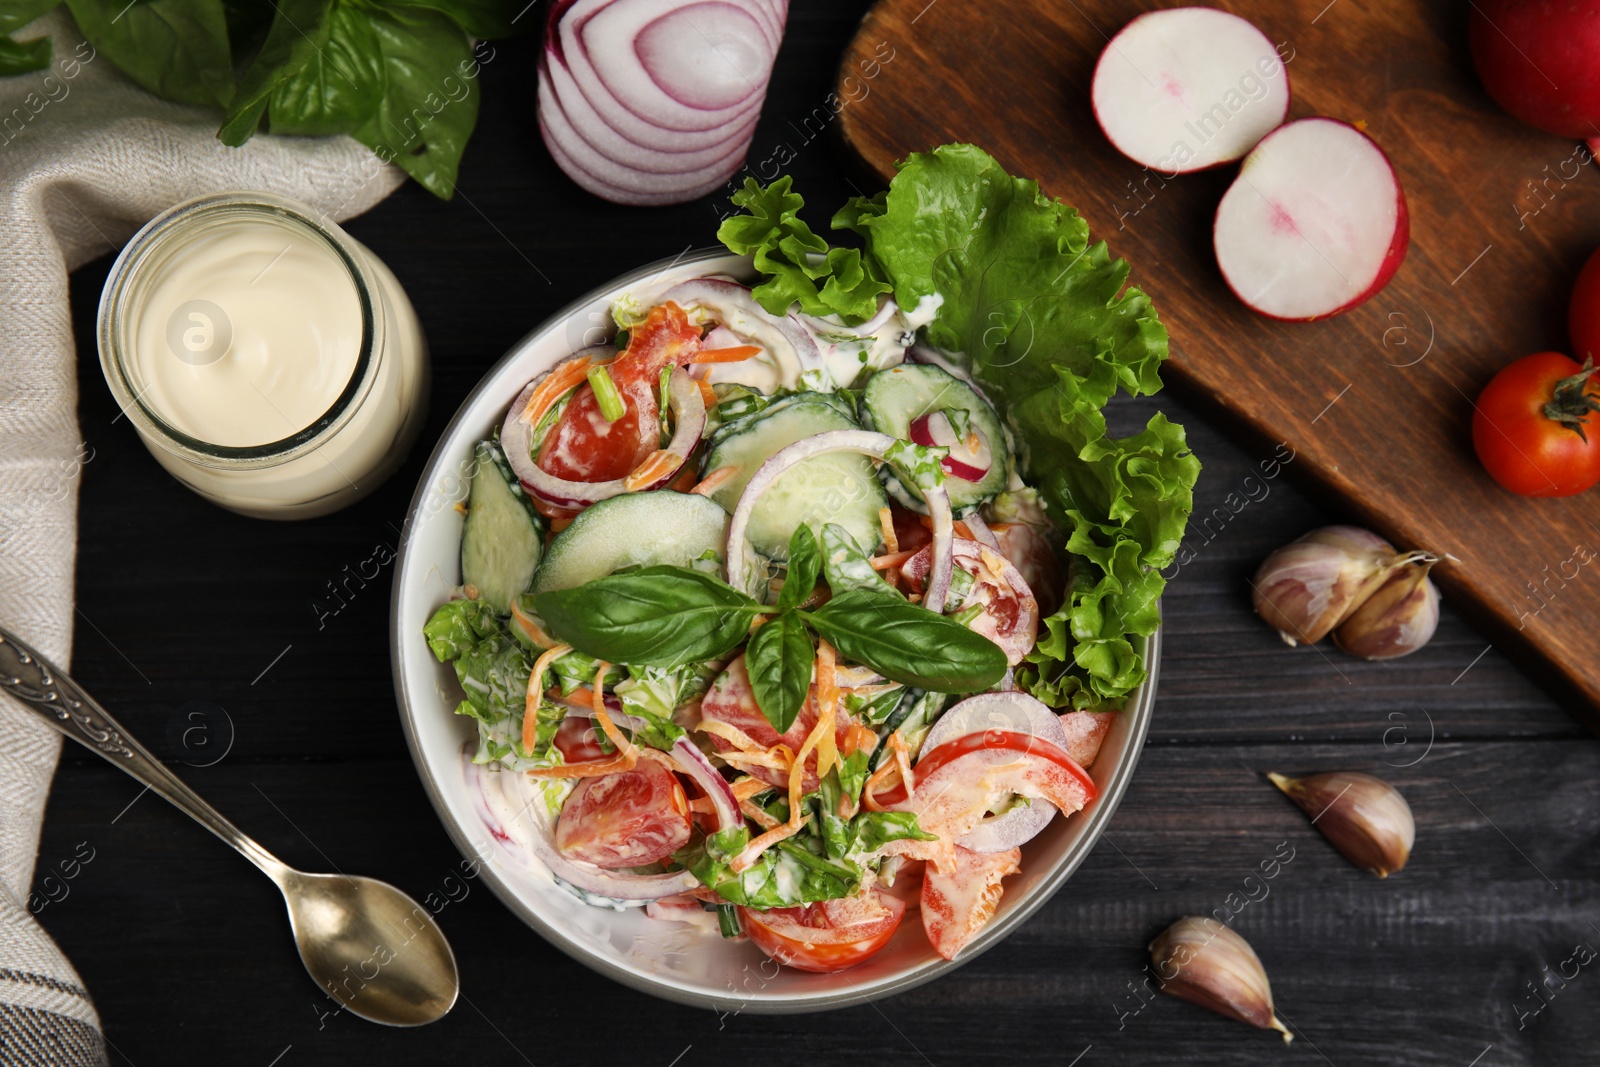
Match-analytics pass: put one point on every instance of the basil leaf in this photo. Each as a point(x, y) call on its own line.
point(779, 661)
point(178, 49)
point(299, 32)
point(430, 102)
point(484, 18)
point(805, 564)
point(659, 616)
point(20, 57)
point(340, 87)
point(847, 567)
point(909, 644)
point(15, 14)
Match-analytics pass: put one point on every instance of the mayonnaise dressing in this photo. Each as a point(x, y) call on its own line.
point(246, 333)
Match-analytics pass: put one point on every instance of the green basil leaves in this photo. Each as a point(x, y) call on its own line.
point(666, 616)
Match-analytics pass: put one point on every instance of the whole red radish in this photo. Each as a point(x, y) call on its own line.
point(1540, 60)
point(1535, 426)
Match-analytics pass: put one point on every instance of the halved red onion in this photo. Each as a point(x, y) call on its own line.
point(866, 443)
point(559, 93)
point(655, 101)
point(1014, 712)
point(532, 813)
point(516, 438)
point(823, 328)
point(962, 461)
point(732, 305)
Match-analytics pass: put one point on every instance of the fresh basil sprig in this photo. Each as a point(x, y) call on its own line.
point(666, 616)
point(661, 616)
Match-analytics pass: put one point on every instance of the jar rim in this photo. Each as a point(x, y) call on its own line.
point(116, 346)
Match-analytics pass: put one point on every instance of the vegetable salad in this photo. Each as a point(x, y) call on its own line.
point(805, 604)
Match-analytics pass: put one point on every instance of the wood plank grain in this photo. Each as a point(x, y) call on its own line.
point(1376, 403)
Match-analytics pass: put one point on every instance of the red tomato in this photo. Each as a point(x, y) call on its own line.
point(578, 739)
point(628, 819)
point(908, 528)
point(988, 749)
point(1029, 551)
point(1583, 319)
point(1526, 424)
point(825, 937)
point(1010, 616)
point(955, 906)
point(731, 701)
point(1085, 731)
point(583, 446)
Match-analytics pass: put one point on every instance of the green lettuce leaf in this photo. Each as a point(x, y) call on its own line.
point(801, 268)
point(1045, 321)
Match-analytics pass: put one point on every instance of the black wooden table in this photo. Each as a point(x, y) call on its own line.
point(209, 635)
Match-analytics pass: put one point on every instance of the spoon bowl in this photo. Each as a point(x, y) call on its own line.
point(371, 947)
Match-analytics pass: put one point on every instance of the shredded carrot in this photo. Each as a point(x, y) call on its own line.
point(530, 709)
point(856, 738)
point(881, 776)
point(715, 480)
point(533, 630)
point(736, 354)
point(893, 559)
point(702, 806)
point(744, 760)
point(747, 787)
point(560, 522)
point(708, 395)
point(759, 814)
point(685, 479)
point(902, 759)
point(891, 541)
point(626, 757)
point(656, 465)
point(827, 705)
point(569, 375)
point(732, 734)
point(797, 770)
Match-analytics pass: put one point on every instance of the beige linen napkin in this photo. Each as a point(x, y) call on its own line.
point(86, 158)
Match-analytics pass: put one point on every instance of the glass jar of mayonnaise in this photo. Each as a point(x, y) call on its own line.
point(268, 360)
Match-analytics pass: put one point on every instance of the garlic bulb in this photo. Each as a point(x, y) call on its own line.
point(1365, 818)
point(1200, 960)
point(1306, 588)
point(1396, 620)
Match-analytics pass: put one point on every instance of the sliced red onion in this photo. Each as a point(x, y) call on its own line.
point(866, 443)
point(1014, 712)
point(732, 305)
point(655, 101)
point(961, 461)
point(980, 530)
point(516, 438)
point(823, 328)
point(619, 886)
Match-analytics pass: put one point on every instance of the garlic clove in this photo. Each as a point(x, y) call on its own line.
point(1365, 818)
point(1396, 620)
point(1204, 962)
point(1307, 587)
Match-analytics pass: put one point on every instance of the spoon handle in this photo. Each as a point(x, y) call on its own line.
point(36, 682)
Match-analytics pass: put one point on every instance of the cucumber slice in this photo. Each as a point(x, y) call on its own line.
point(504, 536)
point(894, 397)
point(635, 529)
point(840, 488)
point(743, 422)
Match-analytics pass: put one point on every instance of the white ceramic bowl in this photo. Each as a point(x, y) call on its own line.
point(671, 960)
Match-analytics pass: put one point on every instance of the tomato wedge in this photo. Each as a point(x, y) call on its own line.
point(583, 446)
point(578, 739)
point(957, 904)
point(1010, 614)
point(825, 937)
point(992, 743)
point(628, 819)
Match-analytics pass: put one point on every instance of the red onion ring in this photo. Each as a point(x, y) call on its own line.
point(980, 530)
point(866, 443)
point(790, 343)
point(516, 438)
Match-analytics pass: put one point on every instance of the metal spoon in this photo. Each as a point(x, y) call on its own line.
point(374, 949)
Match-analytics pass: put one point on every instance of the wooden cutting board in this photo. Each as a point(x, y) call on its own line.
point(1376, 403)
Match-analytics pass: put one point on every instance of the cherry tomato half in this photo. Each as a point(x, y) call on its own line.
point(1527, 422)
point(628, 819)
point(825, 937)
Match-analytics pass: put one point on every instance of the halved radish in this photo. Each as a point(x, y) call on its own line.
point(1314, 224)
point(1188, 88)
point(969, 457)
